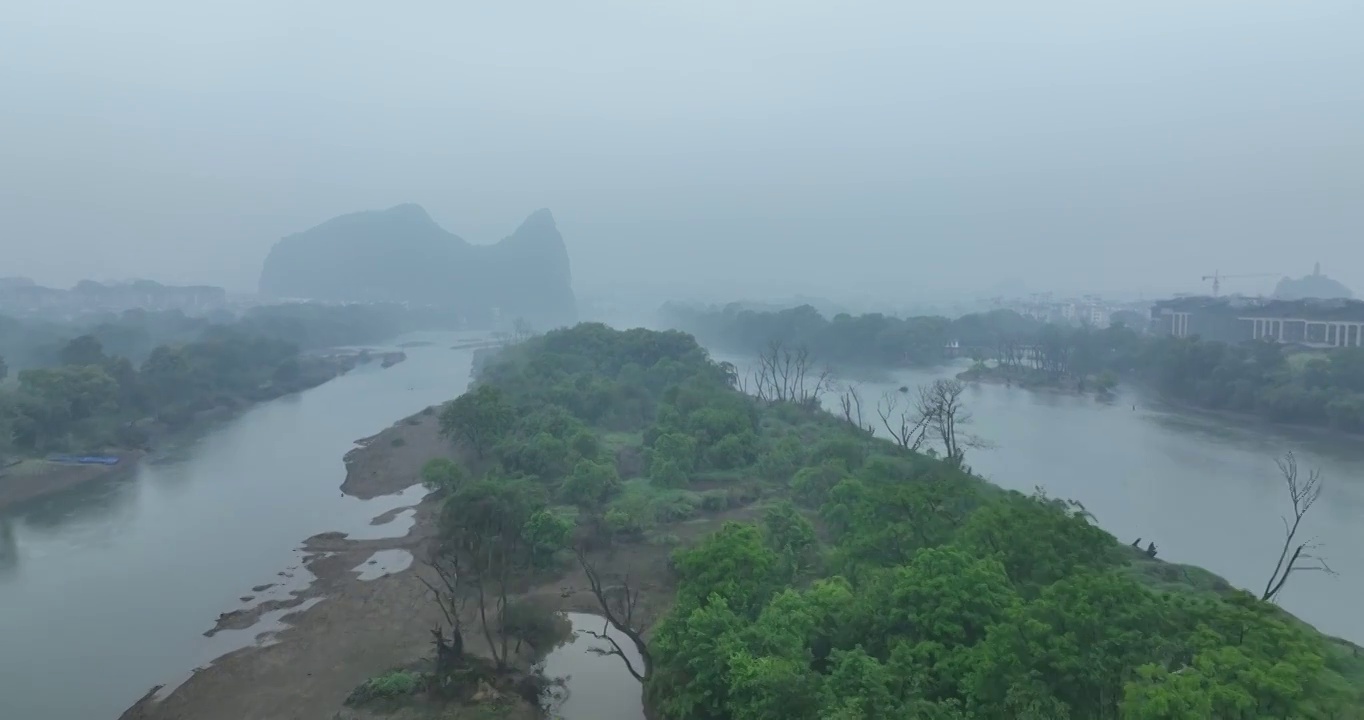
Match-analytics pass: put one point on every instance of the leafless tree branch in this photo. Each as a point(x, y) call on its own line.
point(1295, 556)
point(619, 606)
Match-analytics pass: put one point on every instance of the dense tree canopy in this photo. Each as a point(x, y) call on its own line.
point(861, 579)
point(90, 391)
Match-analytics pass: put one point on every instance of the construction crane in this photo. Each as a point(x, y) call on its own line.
point(1217, 278)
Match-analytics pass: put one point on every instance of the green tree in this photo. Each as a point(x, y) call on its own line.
point(733, 563)
point(691, 648)
point(82, 350)
point(792, 537)
point(591, 484)
point(1038, 540)
point(56, 402)
point(676, 448)
point(484, 534)
point(1073, 647)
point(480, 418)
point(546, 533)
point(442, 475)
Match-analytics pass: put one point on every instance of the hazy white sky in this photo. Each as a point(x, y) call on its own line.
point(907, 147)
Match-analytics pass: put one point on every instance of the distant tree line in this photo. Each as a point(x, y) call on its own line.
point(99, 389)
point(134, 334)
point(1276, 382)
point(870, 340)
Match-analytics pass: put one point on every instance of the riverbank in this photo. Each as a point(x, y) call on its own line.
point(33, 478)
point(340, 626)
point(340, 630)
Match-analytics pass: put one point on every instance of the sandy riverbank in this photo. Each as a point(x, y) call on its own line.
point(347, 630)
point(30, 479)
point(359, 628)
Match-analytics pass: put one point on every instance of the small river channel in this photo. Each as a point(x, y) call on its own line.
point(598, 687)
point(106, 590)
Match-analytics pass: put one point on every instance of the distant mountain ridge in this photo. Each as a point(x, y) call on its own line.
point(402, 255)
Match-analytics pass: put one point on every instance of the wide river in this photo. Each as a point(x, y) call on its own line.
point(1203, 488)
point(105, 591)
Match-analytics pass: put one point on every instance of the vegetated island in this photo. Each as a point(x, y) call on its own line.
point(85, 413)
point(1271, 381)
point(768, 559)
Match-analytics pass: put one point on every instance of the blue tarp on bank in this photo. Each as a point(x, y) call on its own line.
point(85, 459)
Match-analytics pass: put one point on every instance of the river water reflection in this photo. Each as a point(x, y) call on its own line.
point(116, 583)
point(598, 686)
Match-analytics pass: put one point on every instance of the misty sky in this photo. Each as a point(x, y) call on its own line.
point(736, 147)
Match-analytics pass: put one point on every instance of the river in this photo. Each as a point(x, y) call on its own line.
point(1203, 488)
point(107, 590)
point(111, 586)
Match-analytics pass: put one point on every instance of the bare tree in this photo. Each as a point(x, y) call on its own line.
point(1296, 555)
point(521, 330)
point(620, 606)
point(940, 406)
point(786, 375)
point(905, 422)
point(731, 372)
point(451, 600)
point(851, 402)
point(1010, 352)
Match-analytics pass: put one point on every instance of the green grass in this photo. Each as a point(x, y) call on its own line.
point(389, 686)
point(31, 466)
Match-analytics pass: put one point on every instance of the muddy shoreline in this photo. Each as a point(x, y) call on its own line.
point(343, 629)
point(22, 482)
point(340, 630)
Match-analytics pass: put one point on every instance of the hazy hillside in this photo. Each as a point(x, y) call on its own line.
point(402, 255)
point(1315, 285)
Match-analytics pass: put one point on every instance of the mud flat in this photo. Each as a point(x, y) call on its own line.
point(326, 630)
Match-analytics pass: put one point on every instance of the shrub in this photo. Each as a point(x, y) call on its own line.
point(732, 451)
point(534, 624)
point(715, 500)
point(811, 485)
point(397, 442)
point(668, 474)
point(591, 484)
point(395, 684)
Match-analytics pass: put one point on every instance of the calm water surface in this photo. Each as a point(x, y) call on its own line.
point(598, 686)
point(115, 584)
point(1203, 488)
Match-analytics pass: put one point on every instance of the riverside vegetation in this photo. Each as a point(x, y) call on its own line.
point(111, 385)
point(858, 578)
point(1264, 379)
